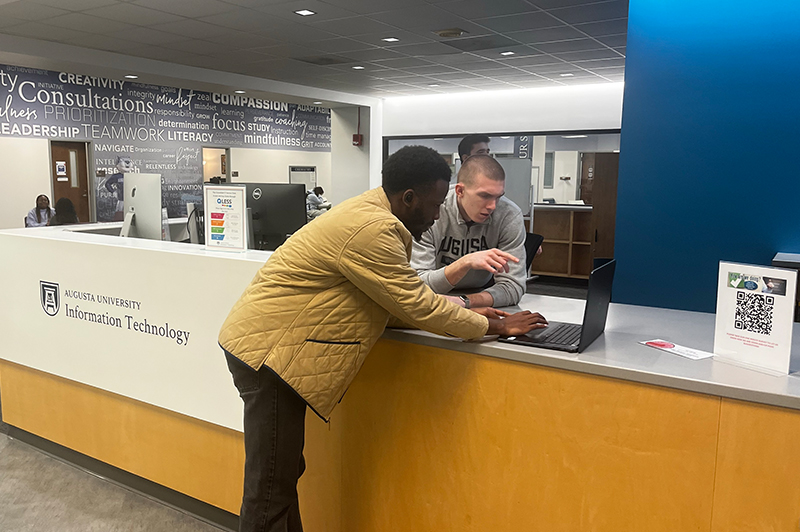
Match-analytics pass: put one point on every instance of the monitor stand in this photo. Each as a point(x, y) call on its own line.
point(127, 224)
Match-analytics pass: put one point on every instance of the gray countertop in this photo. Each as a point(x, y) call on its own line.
point(618, 354)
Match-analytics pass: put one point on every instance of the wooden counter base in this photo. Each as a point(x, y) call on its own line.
point(434, 440)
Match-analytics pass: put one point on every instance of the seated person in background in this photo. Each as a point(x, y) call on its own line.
point(316, 204)
point(473, 145)
point(65, 213)
point(477, 245)
point(41, 214)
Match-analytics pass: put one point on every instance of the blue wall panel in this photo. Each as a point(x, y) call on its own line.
point(710, 146)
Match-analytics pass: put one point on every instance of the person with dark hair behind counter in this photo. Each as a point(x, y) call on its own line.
point(65, 213)
point(40, 215)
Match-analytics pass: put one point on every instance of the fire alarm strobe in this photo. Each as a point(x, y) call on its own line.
point(358, 140)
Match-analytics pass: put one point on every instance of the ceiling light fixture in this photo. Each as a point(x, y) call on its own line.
point(449, 33)
point(504, 138)
point(238, 92)
point(317, 103)
point(305, 12)
point(390, 39)
point(574, 136)
point(438, 138)
point(358, 68)
point(506, 53)
point(433, 85)
point(131, 76)
point(566, 75)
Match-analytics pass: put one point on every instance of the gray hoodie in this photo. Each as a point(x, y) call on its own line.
point(450, 239)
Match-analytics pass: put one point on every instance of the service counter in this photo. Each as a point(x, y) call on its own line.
point(434, 434)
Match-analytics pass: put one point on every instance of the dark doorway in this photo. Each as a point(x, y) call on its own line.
point(70, 176)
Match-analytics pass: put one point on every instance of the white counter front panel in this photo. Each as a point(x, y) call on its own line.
point(134, 317)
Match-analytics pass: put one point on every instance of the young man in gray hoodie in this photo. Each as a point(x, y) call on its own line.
point(477, 246)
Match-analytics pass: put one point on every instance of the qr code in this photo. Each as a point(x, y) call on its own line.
point(754, 312)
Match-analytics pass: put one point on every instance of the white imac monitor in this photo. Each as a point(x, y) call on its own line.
point(142, 206)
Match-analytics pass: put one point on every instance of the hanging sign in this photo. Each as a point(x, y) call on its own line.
point(755, 312)
point(225, 218)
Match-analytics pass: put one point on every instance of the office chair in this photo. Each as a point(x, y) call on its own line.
point(532, 243)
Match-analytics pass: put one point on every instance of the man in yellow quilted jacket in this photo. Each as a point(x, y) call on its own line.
point(303, 327)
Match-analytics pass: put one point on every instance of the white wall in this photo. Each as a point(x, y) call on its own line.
point(350, 165)
point(272, 166)
point(565, 164)
point(531, 110)
point(25, 173)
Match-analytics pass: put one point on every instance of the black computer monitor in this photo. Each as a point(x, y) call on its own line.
point(278, 210)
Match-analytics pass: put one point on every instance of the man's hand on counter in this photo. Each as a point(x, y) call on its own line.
point(506, 324)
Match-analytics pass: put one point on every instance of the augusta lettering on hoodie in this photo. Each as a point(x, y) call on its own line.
point(451, 249)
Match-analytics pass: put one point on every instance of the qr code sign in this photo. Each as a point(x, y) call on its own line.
point(754, 312)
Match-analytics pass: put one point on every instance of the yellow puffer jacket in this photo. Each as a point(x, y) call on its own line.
point(322, 300)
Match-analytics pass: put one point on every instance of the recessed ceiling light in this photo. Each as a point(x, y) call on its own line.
point(238, 92)
point(505, 138)
point(358, 68)
point(433, 85)
point(391, 39)
point(566, 75)
point(131, 76)
point(438, 138)
point(317, 103)
point(506, 53)
point(305, 12)
point(574, 136)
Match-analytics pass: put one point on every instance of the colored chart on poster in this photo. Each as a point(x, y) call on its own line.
point(225, 218)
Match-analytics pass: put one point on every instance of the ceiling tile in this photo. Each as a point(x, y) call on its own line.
point(243, 20)
point(340, 45)
point(7, 22)
point(188, 8)
point(75, 5)
point(347, 27)
point(588, 55)
point(421, 50)
point(150, 36)
point(519, 51)
point(455, 76)
point(551, 4)
point(577, 45)
point(533, 60)
point(601, 63)
point(196, 46)
point(196, 29)
point(614, 9)
point(403, 62)
point(405, 38)
point(472, 9)
point(30, 11)
point(606, 27)
point(430, 70)
point(322, 10)
point(366, 7)
point(296, 33)
point(242, 40)
point(38, 30)
point(526, 21)
point(561, 33)
point(428, 18)
point(375, 54)
point(88, 23)
point(614, 40)
point(102, 42)
point(133, 14)
point(485, 42)
point(285, 50)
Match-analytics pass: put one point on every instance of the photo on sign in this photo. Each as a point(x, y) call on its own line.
point(61, 168)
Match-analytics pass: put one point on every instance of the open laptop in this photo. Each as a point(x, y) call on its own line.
point(572, 337)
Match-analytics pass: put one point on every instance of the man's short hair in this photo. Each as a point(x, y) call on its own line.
point(414, 167)
point(466, 144)
point(480, 165)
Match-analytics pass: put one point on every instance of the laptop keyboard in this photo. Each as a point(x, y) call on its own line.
point(563, 334)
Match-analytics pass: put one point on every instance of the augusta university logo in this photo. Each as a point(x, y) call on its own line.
point(51, 301)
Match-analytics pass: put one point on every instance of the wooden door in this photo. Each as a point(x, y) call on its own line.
point(587, 177)
point(604, 203)
point(70, 176)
